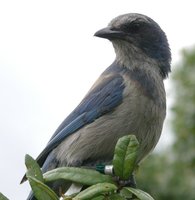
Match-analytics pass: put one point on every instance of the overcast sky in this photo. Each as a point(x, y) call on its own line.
point(48, 61)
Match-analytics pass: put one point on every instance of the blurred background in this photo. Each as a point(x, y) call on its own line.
point(48, 61)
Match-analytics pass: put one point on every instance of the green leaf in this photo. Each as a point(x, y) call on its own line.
point(95, 191)
point(99, 198)
point(40, 190)
point(116, 197)
point(33, 168)
point(67, 198)
point(109, 197)
point(138, 193)
point(126, 193)
point(78, 175)
point(2, 197)
point(125, 156)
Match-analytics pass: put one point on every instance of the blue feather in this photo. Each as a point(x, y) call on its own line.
point(102, 99)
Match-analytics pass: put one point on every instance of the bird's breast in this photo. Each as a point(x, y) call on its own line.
point(144, 94)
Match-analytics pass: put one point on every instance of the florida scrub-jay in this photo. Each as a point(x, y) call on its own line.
point(128, 98)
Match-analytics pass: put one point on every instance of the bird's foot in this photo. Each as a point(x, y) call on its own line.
point(126, 183)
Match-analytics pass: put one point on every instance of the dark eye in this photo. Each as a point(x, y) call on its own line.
point(133, 27)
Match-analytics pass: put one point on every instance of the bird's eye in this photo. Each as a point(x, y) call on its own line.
point(135, 27)
point(131, 27)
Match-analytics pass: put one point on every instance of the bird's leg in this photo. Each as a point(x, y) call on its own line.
point(131, 182)
point(127, 183)
point(108, 169)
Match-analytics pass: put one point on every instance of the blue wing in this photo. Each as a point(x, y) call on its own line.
point(102, 98)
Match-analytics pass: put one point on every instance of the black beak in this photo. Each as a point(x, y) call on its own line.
point(110, 33)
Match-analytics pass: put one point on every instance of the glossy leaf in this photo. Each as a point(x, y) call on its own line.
point(116, 197)
point(40, 190)
point(95, 191)
point(101, 197)
point(139, 193)
point(78, 175)
point(33, 168)
point(125, 156)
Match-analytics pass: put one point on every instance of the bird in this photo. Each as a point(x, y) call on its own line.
point(128, 98)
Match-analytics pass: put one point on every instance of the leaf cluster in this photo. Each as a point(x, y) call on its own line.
point(97, 186)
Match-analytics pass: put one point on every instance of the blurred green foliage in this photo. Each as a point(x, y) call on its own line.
point(171, 174)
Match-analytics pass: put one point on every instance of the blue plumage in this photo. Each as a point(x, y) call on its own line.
point(102, 99)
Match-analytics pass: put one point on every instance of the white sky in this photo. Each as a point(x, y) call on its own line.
point(49, 59)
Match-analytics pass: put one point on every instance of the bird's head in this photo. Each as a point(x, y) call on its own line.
point(136, 36)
